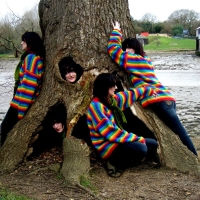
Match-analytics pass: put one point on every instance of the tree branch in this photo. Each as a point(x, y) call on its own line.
point(15, 49)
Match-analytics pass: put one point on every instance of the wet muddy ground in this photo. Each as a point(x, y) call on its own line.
point(181, 61)
point(188, 98)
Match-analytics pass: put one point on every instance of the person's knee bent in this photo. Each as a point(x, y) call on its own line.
point(142, 149)
point(151, 143)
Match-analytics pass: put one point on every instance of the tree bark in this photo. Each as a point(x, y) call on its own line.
point(76, 162)
point(174, 154)
point(81, 29)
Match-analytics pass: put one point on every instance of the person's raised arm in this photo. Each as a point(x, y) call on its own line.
point(114, 46)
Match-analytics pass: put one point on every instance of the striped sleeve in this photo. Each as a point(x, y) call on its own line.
point(105, 127)
point(130, 62)
point(115, 134)
point(126, 98)
point(115, 49)
point(28, 84)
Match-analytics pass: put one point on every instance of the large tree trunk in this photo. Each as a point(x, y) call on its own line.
point(81, 29)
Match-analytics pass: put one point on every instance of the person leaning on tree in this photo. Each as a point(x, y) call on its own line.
point(28, 79)
point(130, 56)
point(107, 125)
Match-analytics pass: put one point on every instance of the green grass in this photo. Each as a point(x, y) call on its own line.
point(84, 181)
point(59, 176)
point(158, 43)
point(6, 56)
point(5, 194)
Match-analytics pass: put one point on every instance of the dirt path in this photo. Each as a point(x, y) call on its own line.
point(138, 183)
point(41, 180)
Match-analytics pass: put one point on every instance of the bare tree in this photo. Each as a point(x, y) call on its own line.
point(13, 26)
point(9, 46)
point(147, 22)
point(29, 21)
point(148, 17)
point(185, 18)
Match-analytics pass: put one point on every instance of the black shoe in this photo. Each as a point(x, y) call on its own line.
point(113, 171)
point(156, 159)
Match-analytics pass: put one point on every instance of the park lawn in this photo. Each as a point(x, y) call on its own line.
point(158, 43)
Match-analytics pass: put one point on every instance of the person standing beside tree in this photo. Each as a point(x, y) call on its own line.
point(28, 79)
point(130, 56)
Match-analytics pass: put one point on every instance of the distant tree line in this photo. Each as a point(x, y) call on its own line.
point(178, 21)
point(13, 26)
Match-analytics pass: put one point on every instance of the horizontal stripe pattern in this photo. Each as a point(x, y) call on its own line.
point(140, 69)
point(31, 73)
point(104, 132)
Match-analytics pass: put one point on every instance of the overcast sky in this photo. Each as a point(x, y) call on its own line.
point(17, 6)
point(160, 9)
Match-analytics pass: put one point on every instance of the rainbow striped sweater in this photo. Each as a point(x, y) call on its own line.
point(140, 69)
point(104, 132)
point(31, 73)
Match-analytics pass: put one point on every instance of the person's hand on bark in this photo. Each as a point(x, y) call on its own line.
point(116, 25)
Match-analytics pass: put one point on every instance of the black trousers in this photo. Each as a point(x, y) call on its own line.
point(130, 152)
point(166, 111)
point(8, 123)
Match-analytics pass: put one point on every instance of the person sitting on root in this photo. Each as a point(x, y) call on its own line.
point(69, 70)
point(107, 124)
point(130, 56)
